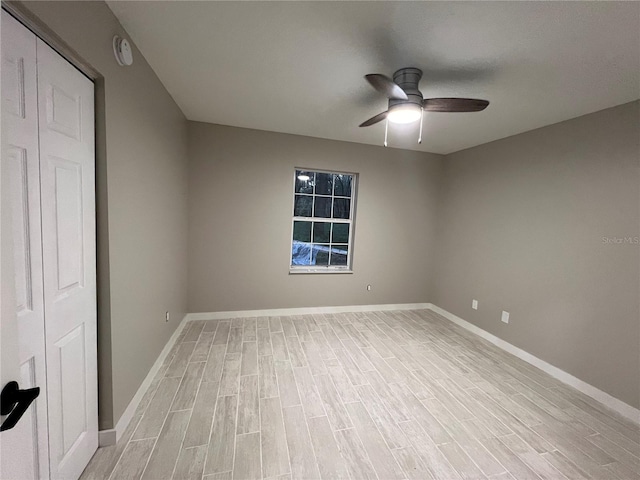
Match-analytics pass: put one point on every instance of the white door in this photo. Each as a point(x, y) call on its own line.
point(61, 228)
point(25, 447)
point(67, 180)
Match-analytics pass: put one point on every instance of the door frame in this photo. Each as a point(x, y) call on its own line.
point(48, 36)
point(21, 12)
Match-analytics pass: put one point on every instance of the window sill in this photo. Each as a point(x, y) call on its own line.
point(312, 271)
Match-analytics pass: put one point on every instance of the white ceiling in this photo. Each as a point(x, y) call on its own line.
point(298, 67)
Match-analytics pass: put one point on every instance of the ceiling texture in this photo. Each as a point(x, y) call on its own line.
point(298, 67)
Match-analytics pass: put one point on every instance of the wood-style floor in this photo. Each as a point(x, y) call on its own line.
point(387, 395)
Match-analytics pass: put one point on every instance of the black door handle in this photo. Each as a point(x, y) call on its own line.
point(14, 402)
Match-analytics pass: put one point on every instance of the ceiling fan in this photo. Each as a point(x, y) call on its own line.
point(406, 104)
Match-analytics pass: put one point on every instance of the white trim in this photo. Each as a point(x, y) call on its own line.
point(285, 312)
point(107, 437)
point(299, 270)
point(111, 436)
point(607, 400)
point(313, 269)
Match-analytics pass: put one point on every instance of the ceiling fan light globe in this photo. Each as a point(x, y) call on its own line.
point(404, 114)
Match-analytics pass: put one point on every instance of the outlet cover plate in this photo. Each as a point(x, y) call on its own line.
point(505, 317)
point(474, 304)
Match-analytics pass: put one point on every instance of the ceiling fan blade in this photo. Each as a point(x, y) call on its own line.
point(373, 120)
point(454, 104)
point(386, 86)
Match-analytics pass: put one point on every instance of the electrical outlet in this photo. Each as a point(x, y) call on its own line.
point(474, 304)
point(368, 288)
point(505, 317)
point(166, 316)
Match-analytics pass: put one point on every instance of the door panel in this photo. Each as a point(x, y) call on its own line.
point(16, 160)
point(68, 224)
point(67, 179)
point(63, 111)
point(24, 449)
point(29, 422)
point(72, 392)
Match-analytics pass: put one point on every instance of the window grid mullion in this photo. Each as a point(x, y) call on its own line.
point(313, 197)
point(311, 243)
point(321, 219)
point(333, 186)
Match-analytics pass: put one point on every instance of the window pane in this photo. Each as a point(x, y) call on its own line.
point(300, 253)
point(341, 208)
point(304, 181)
point(321, 232)
point(302, 231)
point(339, 254)
point(322, 207)
point(302, 206)
point(320, 255)
point(342, 185)
point(340, 233)
point(324, 183)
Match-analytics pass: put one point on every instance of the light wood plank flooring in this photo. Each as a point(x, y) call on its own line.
point(387, 395)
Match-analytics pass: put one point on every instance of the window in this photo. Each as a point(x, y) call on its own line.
point(323, 209)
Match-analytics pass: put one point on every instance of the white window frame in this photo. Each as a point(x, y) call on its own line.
point(348, 268)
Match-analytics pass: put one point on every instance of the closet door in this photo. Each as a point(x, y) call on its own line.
point(67, 179)
point(23, 449)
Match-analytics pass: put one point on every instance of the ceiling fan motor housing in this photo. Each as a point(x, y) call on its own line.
point(408, 79)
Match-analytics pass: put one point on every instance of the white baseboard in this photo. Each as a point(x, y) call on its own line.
point(284, 312)
point(107, 437)
point(111, 436)
point(607, 400)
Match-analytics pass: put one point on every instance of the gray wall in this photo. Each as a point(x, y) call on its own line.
point(240, 207)
point(142, 173)
point(521, 229)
